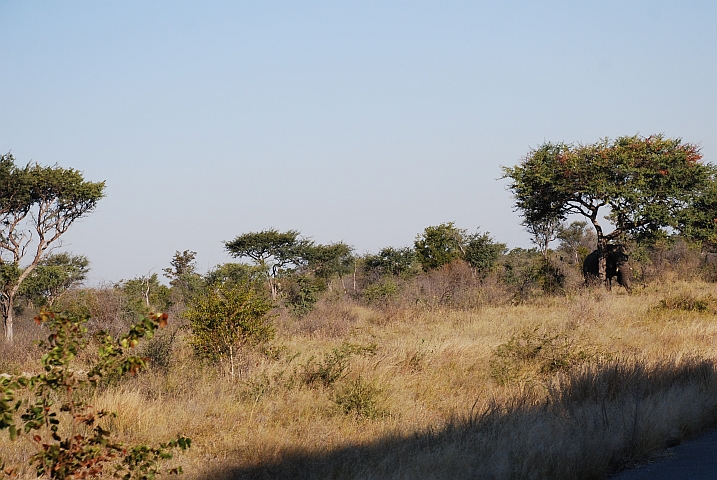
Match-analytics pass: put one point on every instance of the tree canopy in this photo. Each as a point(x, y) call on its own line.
point(37, 206)
point(272, 250)
point(642, 183)
point(441, 244)
point(54, 274)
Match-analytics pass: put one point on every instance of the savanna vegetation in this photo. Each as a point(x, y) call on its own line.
point(452, 357)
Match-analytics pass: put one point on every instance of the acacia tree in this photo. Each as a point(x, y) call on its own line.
point(642, 183)
point(272, 250)
point(327, 261)
point(37, 206)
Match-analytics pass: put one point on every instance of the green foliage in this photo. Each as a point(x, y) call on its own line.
point(145, 294)
point(302, 293)
point(646, 183)
point(272, 250)
point(42, 407)
point(542, 231)
point(482, 252)
point(521, 271)
point(52, 276)
point(359, 398)
point(698, 222)
point(535, 352)
point(268, 246)
point(235, 274)
point(390, 261)
point(223, 317)
point(328, 261)
point(439, 245)
point(576, 241)
point(551, 278)
point(381, 291)
point(183, 277)
point(36, 204)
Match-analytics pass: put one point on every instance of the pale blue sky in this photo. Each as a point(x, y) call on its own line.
point(356, 121)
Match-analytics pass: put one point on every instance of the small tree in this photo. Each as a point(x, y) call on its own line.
point(483, 253)
point(390, 261)
point(224, 317)
point(272, 250)
point(698, 222)
point(54, 275)
point(644, 183)
point(234, 273)
point(145, 294)
point(182, 275)
point(575, 238)
point(543, 232)
point(440, 245)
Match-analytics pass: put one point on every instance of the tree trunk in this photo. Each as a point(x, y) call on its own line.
point(9, 317)
point(601, 250)
point(272, 285)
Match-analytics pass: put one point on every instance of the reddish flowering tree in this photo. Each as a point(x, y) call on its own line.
point(644, 184)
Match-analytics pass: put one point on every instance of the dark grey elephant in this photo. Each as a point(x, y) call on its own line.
point(616, 266)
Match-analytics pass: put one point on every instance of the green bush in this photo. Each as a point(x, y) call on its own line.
point(225, 317)
point(302, 293)
point(533, 353)
point(359, 398)
point(381, 292)
point(41, 407)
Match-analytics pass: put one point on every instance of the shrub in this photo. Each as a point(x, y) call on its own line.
point(50, 404)
point(334, 365)
point(381, 292)
point(359, 397)
point(302, 293)
point(531, 353)
point(224, 317)
point(688, 302)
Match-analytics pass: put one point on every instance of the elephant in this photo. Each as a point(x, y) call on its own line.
point(616, 266)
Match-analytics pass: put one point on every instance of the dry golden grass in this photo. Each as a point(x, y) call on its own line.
point(615, 378)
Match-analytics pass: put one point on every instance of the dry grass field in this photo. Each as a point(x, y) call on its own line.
point(560, 387)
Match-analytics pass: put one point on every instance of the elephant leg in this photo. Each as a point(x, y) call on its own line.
point(623, 280)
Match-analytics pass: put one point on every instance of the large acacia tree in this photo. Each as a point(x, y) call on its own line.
point(643, 184)
point(37, 206)
point(272, 251)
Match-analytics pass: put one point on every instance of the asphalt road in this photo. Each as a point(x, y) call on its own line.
point(692, 460)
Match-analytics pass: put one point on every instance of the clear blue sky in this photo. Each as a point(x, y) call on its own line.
point(356, 121)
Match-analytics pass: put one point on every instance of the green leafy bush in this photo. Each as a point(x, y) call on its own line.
point(48, 409)
point(381, 292)
point(225, 317)
point(302, 293)
point(360, 398)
